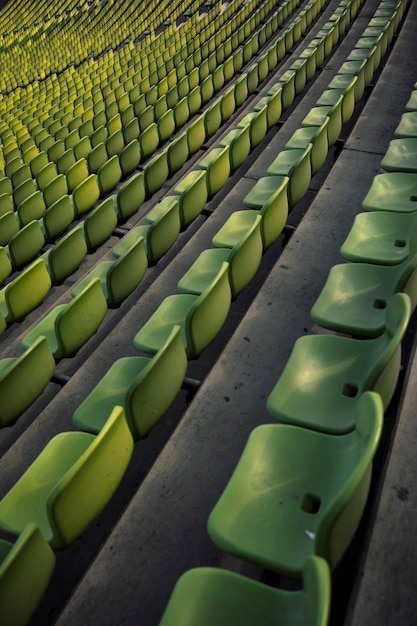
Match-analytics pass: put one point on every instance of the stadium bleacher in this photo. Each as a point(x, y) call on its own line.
point(207, 328)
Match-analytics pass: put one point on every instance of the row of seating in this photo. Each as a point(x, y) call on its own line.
point(259, 518)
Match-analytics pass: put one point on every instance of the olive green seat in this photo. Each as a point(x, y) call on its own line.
point(76, 174)
point(317, 137)
point(355, 295)
point(200, 316)
point(296, 165)
point(401, 156)
point(76, 475)
point(109, 175)
point(412, 101)
point(381, 237)
point(148, 141)
point(23, 379)
point(192, 192)
point(270, 197)
point(120, 277)
point(68, 326)
point(97, 157)
point(9, 226)
point(156, 173)
point(66, 255)
point(238, 140)
point(217, 597)
point(55, 190)
point(58, 217)
point(196, 134)
point(5, 271)
point(160, 231)
point(23, 191)
point(258, 125)
point(239, 243)
point(25, 292)
point(130, 197)
point(330, 97)
point(296, 493)
point(325, 374)
point(177, 153)
point(394, 191)
point(407, 126)
point(100, 223)
point(130, 157)
point(85, 195)
point(26, 244)
point(26, 568)
point(317, 115)
point(32, 208)
point(216, 164)
point(145, 387)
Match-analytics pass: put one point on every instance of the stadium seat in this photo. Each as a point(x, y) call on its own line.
point(66, 255)
point(394, 191)
point(309, 503)
point(78, 474)
point(401, 156)
point(145, 387)
point(296, 165)
point(217, 597)
point(200, 317)
point(269, 196)
point(325, 374)
point(23, 294)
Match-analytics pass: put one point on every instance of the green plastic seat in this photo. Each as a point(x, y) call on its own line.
point(83, 148)
point(325, 374)
point(270, 196)
point(5, 271)
point(26, 568)
point(65, 161)
point(273, 102)
point(85, 195)
point(258, 125)
point(216, 164)
point(160, 232)
point(156, 173)
point(66, 255)
point(317, 115)
point(407, 126)
point(238, 141)
point(26, 244)
point(76, 475)
point(381, 237)
point(177, 153)
point(355, 295)
point(401, 156)
point(26, 292)
point(32, 208)
point(120, 277)
point(296, 493)
point(192, 192)
point(200, 317)
point(100, 223)
point(9, 227)
point(97, 158)
point(216, 597)
point(109, 175)
point(115, 143)
point(76, 174)
point(55, 190)
point(23, 379)
point(196, 135)
point(130, 197)
point(148, 141)
point(395, 192)
point(58, 217)
point(69, 326)
point(296, 165)
point(129, 157)
point(145, 388)
point(239, 243)
point(23, 191)
point(213, 118)
point(317, 137)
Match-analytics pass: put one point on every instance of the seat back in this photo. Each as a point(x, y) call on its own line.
point(342, 516)
point(76, 174)
point(384, 374)
point(109, 175)
point(9, 226)
point(25, 245)
point(58, 217)
point(26, 568)
point(245, 257)
point(67, 254)
point(83, 492)
point(155, 173)
point(80, 319)
point(130, 157)
point(55, 189)
point(26, 291)
point(130, 197)
point(85, 195)
point(32, 208)
point(126, 273)
point(208, 313)
point(23, 379)
point(100, 223)
point(151, 394)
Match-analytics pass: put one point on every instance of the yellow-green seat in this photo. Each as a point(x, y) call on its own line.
point(239, 243)
point(130, 157)
point(76, 174)
point(156, 172)
point(25, 292)
point(401, 155)
point(325, 374)
point(66, 255)
point(109, 175)
point(238, 140)
point(97, 157)
point(218, 597)
point(270, 197)
point(297, 493)
point(57, 217)
point(23, 379)
point(85, 195)
point(77, 474)
point(32, 208)
point(68, 326)
point(55, 190)
point(118, 278)
point(26, 567)
point(26, 244)
point(130, 197)
point(216, 164)
point(145, 388)
point(193, 194)
point(317, 115)
point(412, 101)
point(200, 317)
point(100, 223)
point(296, 165)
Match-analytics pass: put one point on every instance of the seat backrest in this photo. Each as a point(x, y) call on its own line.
point(9, 226)
point(77, 173)
point(25, 245)
point(97, 157)
point(80, 319)
point(25, 571)
point(32, 208)
point(126, 273)
point(58, 217)
point(155, 173)
point(85, 195)
point(109, 175)
point(55, 189)
point(342, 515)
point(151, 394)
point(130, 197)
point(23, 379)
point(208, 313)
point(100, 223)
point(245, 257)
point(85, 489)
point(26, 291)
point(67, 254)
